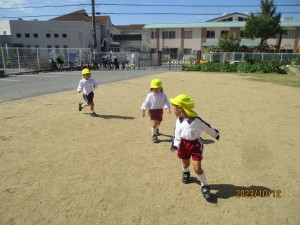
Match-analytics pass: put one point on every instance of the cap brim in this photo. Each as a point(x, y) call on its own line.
point(174, 101)
point(190, 112)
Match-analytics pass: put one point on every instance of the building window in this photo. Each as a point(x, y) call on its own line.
point(210, 34)
point(168, 34)
point(36, 46)
point(224, 32)
point(56, 35)
point(19, 35)
point(64, 35)
point(187, 51)
point(28, 46)
point(48, 35)
point(290, 34)
point(188, 34)
point(35, 35)
point(153, 50)
point(65, 46)
point(49, 46)
point(153, 34)
point(27, 35)
point(56, 46)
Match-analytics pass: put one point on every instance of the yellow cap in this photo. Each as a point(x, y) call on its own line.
point(85, 71)
point(156, 83)
point(185, 102)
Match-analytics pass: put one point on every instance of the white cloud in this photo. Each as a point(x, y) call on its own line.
point(16, 4)
point(13, 3)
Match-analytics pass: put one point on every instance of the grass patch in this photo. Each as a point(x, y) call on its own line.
point(286, 80)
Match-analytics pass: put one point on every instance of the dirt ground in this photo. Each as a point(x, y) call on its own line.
point(61, 166)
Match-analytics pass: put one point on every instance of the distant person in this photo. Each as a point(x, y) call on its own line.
point(86, 86)
point(155, 102)
point(187, 139)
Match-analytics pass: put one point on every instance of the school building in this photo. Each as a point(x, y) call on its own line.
point(177, 39)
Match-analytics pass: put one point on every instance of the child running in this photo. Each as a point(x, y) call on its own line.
point(187, 139)
point(155, 102)
point(86, 86)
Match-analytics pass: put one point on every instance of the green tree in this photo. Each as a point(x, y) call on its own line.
point(230, 42)
point(264, 25)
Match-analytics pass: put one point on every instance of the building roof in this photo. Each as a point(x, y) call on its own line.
point(103, 20)
point(130, 27)
point(295, 23)
point(80, 15)
point(217, 19)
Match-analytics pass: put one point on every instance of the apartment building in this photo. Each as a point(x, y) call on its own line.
point(178, 39)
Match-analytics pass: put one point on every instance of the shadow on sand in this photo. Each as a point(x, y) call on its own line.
point(225, 191)
point(112, 117)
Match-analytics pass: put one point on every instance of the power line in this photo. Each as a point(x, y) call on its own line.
point(109, 13)
point(143, 5)
point(44, 6)
point(200, 6)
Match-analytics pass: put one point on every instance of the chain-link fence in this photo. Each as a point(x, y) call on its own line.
point(22, 60)
point(285, 58)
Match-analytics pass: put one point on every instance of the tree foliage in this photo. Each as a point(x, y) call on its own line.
point(230, 42)
point(264, 25)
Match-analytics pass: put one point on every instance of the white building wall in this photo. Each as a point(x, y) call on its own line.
point(5, 28)
point(78, 33)
point(170, 43)
point(195, 42)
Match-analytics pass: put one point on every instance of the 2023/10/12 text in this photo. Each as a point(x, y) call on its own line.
point(264, 193)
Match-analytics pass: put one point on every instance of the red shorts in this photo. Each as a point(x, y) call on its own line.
point(156, 114)
point(188, 149)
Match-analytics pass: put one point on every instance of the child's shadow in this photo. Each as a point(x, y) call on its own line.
point(225, 191)
point(113, 117)
point(169, 138)
point(208, 141)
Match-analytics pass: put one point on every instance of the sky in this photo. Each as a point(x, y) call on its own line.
point(141, 11)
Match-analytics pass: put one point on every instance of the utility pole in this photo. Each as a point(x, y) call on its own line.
point(94, 25)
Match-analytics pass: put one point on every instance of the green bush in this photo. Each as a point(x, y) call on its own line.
point(296, 60)
point(272, 66)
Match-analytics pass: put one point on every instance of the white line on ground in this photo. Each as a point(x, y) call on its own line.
point(9, 80)
point(38, 76)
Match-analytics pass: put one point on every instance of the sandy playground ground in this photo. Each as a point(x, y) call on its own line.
point(61, 166)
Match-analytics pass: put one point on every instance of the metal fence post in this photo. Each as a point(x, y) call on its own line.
point(3, 58)
point(18, 60)
point(38, 58)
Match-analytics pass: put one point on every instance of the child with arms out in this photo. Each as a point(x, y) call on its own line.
point(187, 139)
point(155, 102)
point(86, 86)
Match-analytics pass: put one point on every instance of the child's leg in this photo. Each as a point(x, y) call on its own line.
point(198, 169)
point(186, 173)
point(157, 128)
point(154, 131)
point(92, 107)
point(185, 164)
point(202, 177)
point(154, 124)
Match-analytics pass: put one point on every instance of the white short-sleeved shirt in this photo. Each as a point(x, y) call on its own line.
point(191, 130)
point(87, 86)
point(155, 101)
